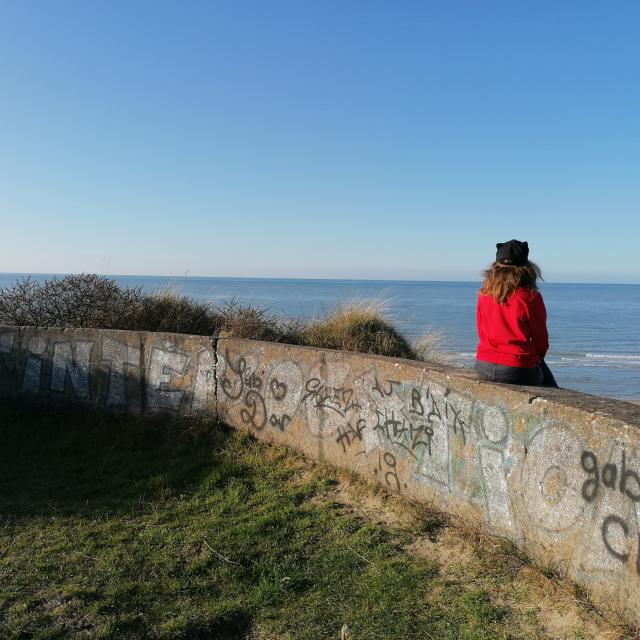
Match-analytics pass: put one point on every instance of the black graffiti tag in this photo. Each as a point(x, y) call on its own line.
point(387, 465)
point(253, 380)
point(347, 435)
point(606, 524)
point(239, 368)
point(416, 402)
point(278, 389)
point(430, 406)
point(256, 412)
point(281, 422)
point(338, 399)
point(457, 420)
point(629, 484)
point(403, 433)
point(384, 392)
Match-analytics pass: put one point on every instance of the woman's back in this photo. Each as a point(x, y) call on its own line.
point(512, 333)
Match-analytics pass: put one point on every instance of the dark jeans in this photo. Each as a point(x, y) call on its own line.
point(539, 376)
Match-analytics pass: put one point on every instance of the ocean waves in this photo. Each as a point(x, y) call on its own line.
point(599, 360)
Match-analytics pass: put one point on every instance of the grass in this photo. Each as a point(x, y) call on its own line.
point(121, 527)
point(92, 301)
point(358, 327)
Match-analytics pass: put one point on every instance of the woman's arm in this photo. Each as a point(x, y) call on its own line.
point(538, 324)
point(479, 319)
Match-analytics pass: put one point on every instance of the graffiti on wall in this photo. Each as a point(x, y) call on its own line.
point(614, 487)
point(268, 398)
point(101, 369)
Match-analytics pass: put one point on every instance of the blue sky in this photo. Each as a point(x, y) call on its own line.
point(319, 139)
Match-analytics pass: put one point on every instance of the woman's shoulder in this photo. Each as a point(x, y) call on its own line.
point(527, 294)
point(484, 298)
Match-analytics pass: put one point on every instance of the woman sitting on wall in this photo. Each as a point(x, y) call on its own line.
point(512, 320)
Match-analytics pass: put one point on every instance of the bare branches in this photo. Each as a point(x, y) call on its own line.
point(84, 300)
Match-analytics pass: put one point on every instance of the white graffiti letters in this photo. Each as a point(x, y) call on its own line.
point(120, 357)
point(73, 367)
point(162, 367)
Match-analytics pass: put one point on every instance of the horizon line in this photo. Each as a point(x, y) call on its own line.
point(195, 277)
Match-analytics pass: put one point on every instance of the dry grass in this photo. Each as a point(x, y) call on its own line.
point(91, 301)
point(175, 313)
point(255, 323)
point(360, 327)
point(430, 347)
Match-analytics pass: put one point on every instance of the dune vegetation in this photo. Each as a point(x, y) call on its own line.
point(92, 301)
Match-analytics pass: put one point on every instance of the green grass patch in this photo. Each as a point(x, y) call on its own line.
point(120, 527)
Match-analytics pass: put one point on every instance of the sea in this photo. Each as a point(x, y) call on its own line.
point(594, 329)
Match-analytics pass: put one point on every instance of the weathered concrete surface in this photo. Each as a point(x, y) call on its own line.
point(136, 371)
point(556, 472)
point(179, 374)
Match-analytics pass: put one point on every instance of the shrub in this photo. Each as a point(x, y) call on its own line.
point(85, 300)
point(175, 313)
point(239, 321)
point(92, 301)
point(358, 327)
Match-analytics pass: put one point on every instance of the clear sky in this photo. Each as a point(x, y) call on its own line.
point(334, 138)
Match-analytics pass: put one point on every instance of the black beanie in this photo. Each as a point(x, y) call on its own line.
point(512, 252)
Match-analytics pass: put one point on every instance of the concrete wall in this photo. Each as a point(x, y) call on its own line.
point(556, 472)
point(137, 371)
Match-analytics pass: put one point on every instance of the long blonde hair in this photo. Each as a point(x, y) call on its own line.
point(501, 280)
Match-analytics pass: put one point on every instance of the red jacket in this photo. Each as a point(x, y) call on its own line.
point(513, 333)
